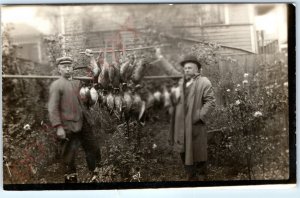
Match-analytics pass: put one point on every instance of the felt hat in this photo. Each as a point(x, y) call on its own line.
point(190, 59)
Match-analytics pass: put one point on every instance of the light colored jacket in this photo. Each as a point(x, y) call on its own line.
point(190, 136)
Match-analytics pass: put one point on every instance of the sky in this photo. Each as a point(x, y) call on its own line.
point(25, 14)
point(273, 23)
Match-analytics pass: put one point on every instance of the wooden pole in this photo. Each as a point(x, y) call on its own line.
point(132, 49)
point(42, 77)
point(162, 77)
point(83, 77)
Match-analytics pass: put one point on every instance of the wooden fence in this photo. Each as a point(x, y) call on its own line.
point(273, 66)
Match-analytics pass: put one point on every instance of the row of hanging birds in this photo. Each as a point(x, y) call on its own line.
point(128, 69)
point(117, 85)
point(126, 102)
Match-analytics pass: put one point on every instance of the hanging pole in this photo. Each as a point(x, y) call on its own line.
point(131, 49)
point(43, 77)
point(82, 77)
point(162, 77)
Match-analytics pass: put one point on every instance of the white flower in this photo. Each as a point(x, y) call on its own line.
point(286, 84)
point(26, 127)
point(235, 89)
point(287, 151)
point(154, 146)
point(137, 176)
point(15, 81)
point(238, 85)
point(237, 102)
point(60, 36)
point(228, 90)
point(246, 75)
point(257, 114)
point(245, 81)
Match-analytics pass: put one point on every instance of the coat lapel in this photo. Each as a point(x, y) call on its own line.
point(192, 90)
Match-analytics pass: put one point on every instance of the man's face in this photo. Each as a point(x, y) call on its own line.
point(190, 69)
point(65, 70)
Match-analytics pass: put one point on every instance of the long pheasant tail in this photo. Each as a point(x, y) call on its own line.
point(142, 110)
point(123, 48)
point(100, 59)
point(113, 53)
point(105, 49)
point(127, 125)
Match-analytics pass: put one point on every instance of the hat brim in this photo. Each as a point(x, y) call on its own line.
point(65, 62)
point(190, 61)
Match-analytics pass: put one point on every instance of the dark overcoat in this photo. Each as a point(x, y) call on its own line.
point(64, 105)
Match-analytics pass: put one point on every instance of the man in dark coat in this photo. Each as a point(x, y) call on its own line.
point(67, 115)
point(188, 132)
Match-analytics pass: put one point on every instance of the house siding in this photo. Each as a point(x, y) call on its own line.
point(231, 35)
point(239, 13)
point(237, 33)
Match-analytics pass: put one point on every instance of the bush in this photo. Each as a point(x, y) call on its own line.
point(251, 139)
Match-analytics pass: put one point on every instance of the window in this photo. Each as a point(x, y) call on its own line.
point(213, 14)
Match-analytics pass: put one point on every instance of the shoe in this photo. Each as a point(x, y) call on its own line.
point(92, 177)
point(192, 178)
point(202, 177)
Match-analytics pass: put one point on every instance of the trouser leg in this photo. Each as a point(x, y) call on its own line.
point(70, 148)
point(201, 169)
point(91, 147)
point(190, 170)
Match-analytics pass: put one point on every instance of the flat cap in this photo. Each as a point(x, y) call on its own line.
point(64, 60)
point(190, 59)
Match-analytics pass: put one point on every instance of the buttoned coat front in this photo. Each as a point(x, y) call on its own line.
point(64, 105)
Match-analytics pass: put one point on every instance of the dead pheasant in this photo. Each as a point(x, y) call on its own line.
point(114, 70)
point(103, 78)
point(139, 71)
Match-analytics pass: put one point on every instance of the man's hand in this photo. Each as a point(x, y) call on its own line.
point(196, 119)
point(61, 134)
point(88, 52)
point(171, 142)
point(158, 54)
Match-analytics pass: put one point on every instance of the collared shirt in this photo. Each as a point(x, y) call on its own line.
point(189, 82)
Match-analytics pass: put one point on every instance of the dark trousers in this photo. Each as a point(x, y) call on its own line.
point(86, 138)
point(195, 170)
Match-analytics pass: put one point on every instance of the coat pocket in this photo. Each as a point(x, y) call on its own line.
point(198, 129)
